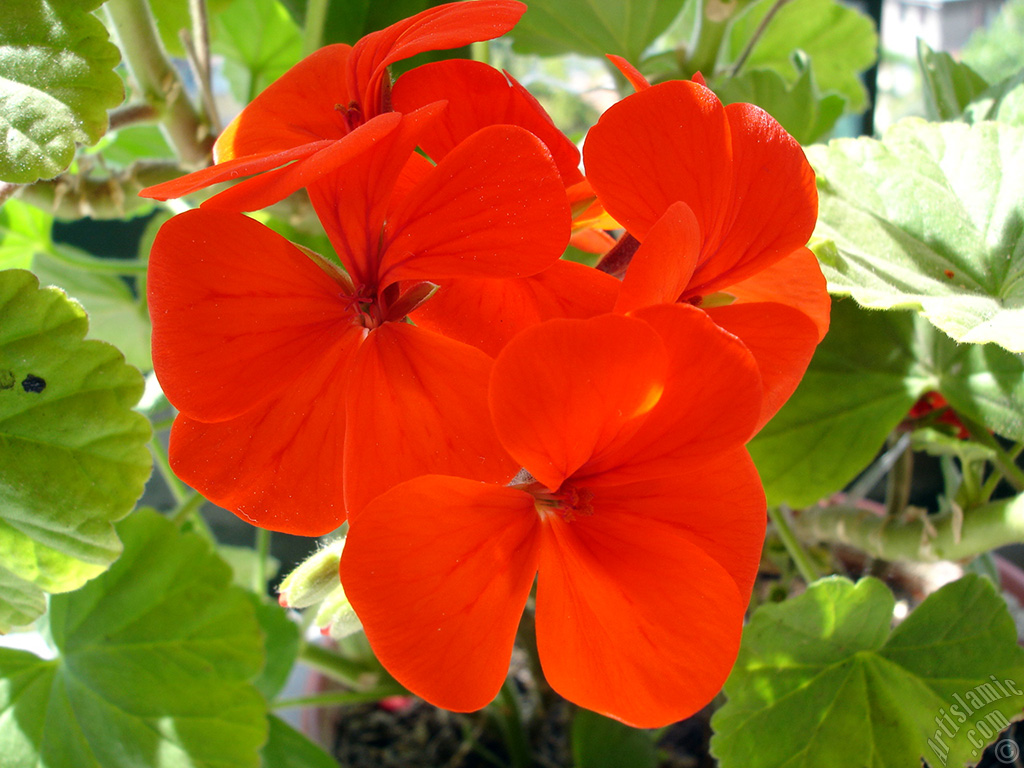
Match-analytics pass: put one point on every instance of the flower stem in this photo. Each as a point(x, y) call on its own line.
point(177, 488)
point(346, 671)
point(793, 545)
point(1005, 462)
point(157, 79)
point(340, 698)
point(80, 260)
point(316, 18)
point(259, 575)
point(186, 510)
point(758, 33)
point(897, 489)
point(939, 537)
point(511, 721)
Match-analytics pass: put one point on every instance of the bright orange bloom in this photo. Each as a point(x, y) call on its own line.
point(642, 518)
point(329, 107)
point(299, 384)
point(723, 202)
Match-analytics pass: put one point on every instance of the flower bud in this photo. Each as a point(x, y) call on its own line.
point(314, 579)
point(336, 617)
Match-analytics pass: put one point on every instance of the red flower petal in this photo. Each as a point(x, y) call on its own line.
point(668, 143)
point(417, 405)
point(438, 570)
point(566, 390)
point(711, 401)
point(663, 264)
point(780, 338)
point(299, 107)
point(277, 465)
point(488, 313)
point(239, 313)
point(479, 95)
point(773, 203)
point(795, 281)
point(494, 207)
point(452, 25)
point(637, 617)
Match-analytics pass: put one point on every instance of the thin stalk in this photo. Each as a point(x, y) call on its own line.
point(186, 510)
point(1005, 463)
point(130, 114)
point(897, 488)
point(345, 671)
point(259, 575)
point(756, 36)
point(939, 537)
point(158, 81)
point(81, 260)
point(993, 480)
point(316, 18)
point(511, 721)
point(339, 698)
point(705, 42)
point(796, 550)
point(177, 488)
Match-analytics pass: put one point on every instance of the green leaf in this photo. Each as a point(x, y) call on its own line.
point(553, 27)
point(948, 85)
point(820, 679)
point(800, 107)
point(259, 42)
point(282, 643)
point(73, 452)
point(1003, 102)
point(866, 374)
point(154, 659)
point(116, 315)
point(24, 232)
point(598, 742)
point(21, 604)
point(57, 82)
point(172, 16)
point(287, 748)
point(840, 41)
point(930, 217)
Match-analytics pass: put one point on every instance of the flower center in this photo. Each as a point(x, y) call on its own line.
point(569, 502)
point(351, 116)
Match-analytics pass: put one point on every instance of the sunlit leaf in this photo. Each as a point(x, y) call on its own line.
point(153, 665)
point(24, 232)
point(821, 680)
point(21, 602)
point(57, 82)
point(930, 217)
point(864, 378)
point(73, 452)
point(259, 42)
point(840, 41)
point(551, 27)
point(949, 86)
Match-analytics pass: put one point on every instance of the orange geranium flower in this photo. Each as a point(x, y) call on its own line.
point(723, 201)
point(639, 512)
point(299, 384)
point(330, 107)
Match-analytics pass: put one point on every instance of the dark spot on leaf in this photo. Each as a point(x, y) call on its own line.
point(6, 379)
point(949, 273)
point(33, 383)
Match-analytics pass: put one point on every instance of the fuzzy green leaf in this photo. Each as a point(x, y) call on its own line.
point(865, 376)
point(553, 27)
point(22, 602)
point(930, 217)
point(153, 665)
point(840, 41)
point(287, 748)
point(949, 86)
point(57, 82)
point(73, 452)
point(821, 679)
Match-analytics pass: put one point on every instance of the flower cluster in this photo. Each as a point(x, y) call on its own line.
point(483, 413)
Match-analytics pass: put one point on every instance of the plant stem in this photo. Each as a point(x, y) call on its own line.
point(81, 260)
point(336, 698)
point(345, 671)
point(897, 489)
point(316, 18)
point(511, 721)
point(793, 546)
point(1005, 462)
point(742, 59)
point(939, 537)
point(177, 488)
point(185, 511)
point(157, 79)
point(705, 43)
point(259, 576)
